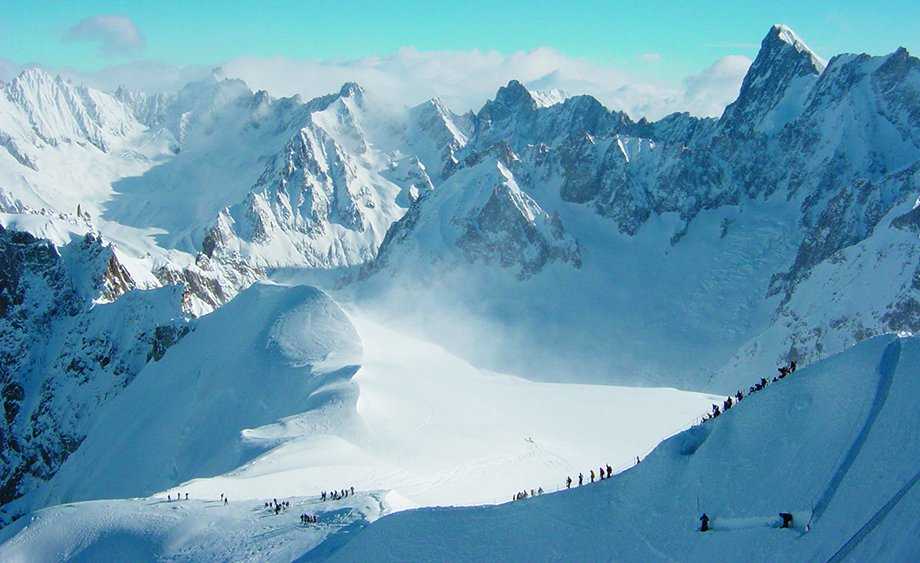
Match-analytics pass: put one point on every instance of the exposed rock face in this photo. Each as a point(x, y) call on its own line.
point(72, 335)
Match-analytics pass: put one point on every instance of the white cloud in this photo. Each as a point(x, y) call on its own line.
point(717, 85)
point(466, 79)
point(650, 57)
point(462, 79)
point(115, 35)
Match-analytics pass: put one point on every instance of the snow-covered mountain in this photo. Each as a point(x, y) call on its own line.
point(747, 221)
point(544, 237)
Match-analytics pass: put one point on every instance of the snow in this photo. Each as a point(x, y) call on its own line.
point(187, 530)
point(823, 433)
point(204, 413)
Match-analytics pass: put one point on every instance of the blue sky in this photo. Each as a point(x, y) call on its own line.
point(647, 58)
point(687, 35)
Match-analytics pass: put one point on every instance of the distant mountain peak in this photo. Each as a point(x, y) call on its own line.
point(774, 89)
point(514, 94)
point(351, 90)
point(782, 36)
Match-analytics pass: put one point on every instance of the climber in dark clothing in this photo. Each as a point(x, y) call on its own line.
point(609, 471)
point(581, 479)
point(763, 382)
point(739, 396)
point(704, 522)
point(792, 366)
point(592, 475)
point(787, 519)
point(568, 482)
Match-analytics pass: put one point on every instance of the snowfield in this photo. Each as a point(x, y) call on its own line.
point(834, 444)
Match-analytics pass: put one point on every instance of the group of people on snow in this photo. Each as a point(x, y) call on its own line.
point(337, 495)
point(731, 401)
point(277, 507)
point(309, 519)
point(178, 496)
point(223, 498)
point(524, 494)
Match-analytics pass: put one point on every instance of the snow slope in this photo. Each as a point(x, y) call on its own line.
point(266, 396)
point(832, 444)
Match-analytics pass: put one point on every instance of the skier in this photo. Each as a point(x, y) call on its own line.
point(704, 522)
point(568, 482)
point(581, 479)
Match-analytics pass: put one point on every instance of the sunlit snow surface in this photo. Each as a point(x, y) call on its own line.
point(288, 420)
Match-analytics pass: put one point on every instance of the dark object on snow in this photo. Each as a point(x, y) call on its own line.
point(568, 482)
point(792, 366)
point(704, 523)
point(787, 519)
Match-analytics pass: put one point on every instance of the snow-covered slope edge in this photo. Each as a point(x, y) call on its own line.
point(832, 444)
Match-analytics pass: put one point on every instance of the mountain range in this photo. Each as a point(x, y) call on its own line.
point(144, 240)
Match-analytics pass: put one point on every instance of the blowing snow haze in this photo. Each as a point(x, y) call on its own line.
point(403, 319)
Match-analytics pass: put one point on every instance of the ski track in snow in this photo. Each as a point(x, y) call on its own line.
point(886, 371)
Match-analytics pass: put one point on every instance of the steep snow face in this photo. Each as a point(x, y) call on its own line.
point(852, 495)
point(40, 110)
point(74, 334)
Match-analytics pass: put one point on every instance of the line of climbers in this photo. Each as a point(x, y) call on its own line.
point(178, 497)
point(337, 495)
point(730, 401)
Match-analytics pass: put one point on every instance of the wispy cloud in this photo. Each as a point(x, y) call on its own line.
point(115, 35)
point(650, 57)
point(464, 80)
